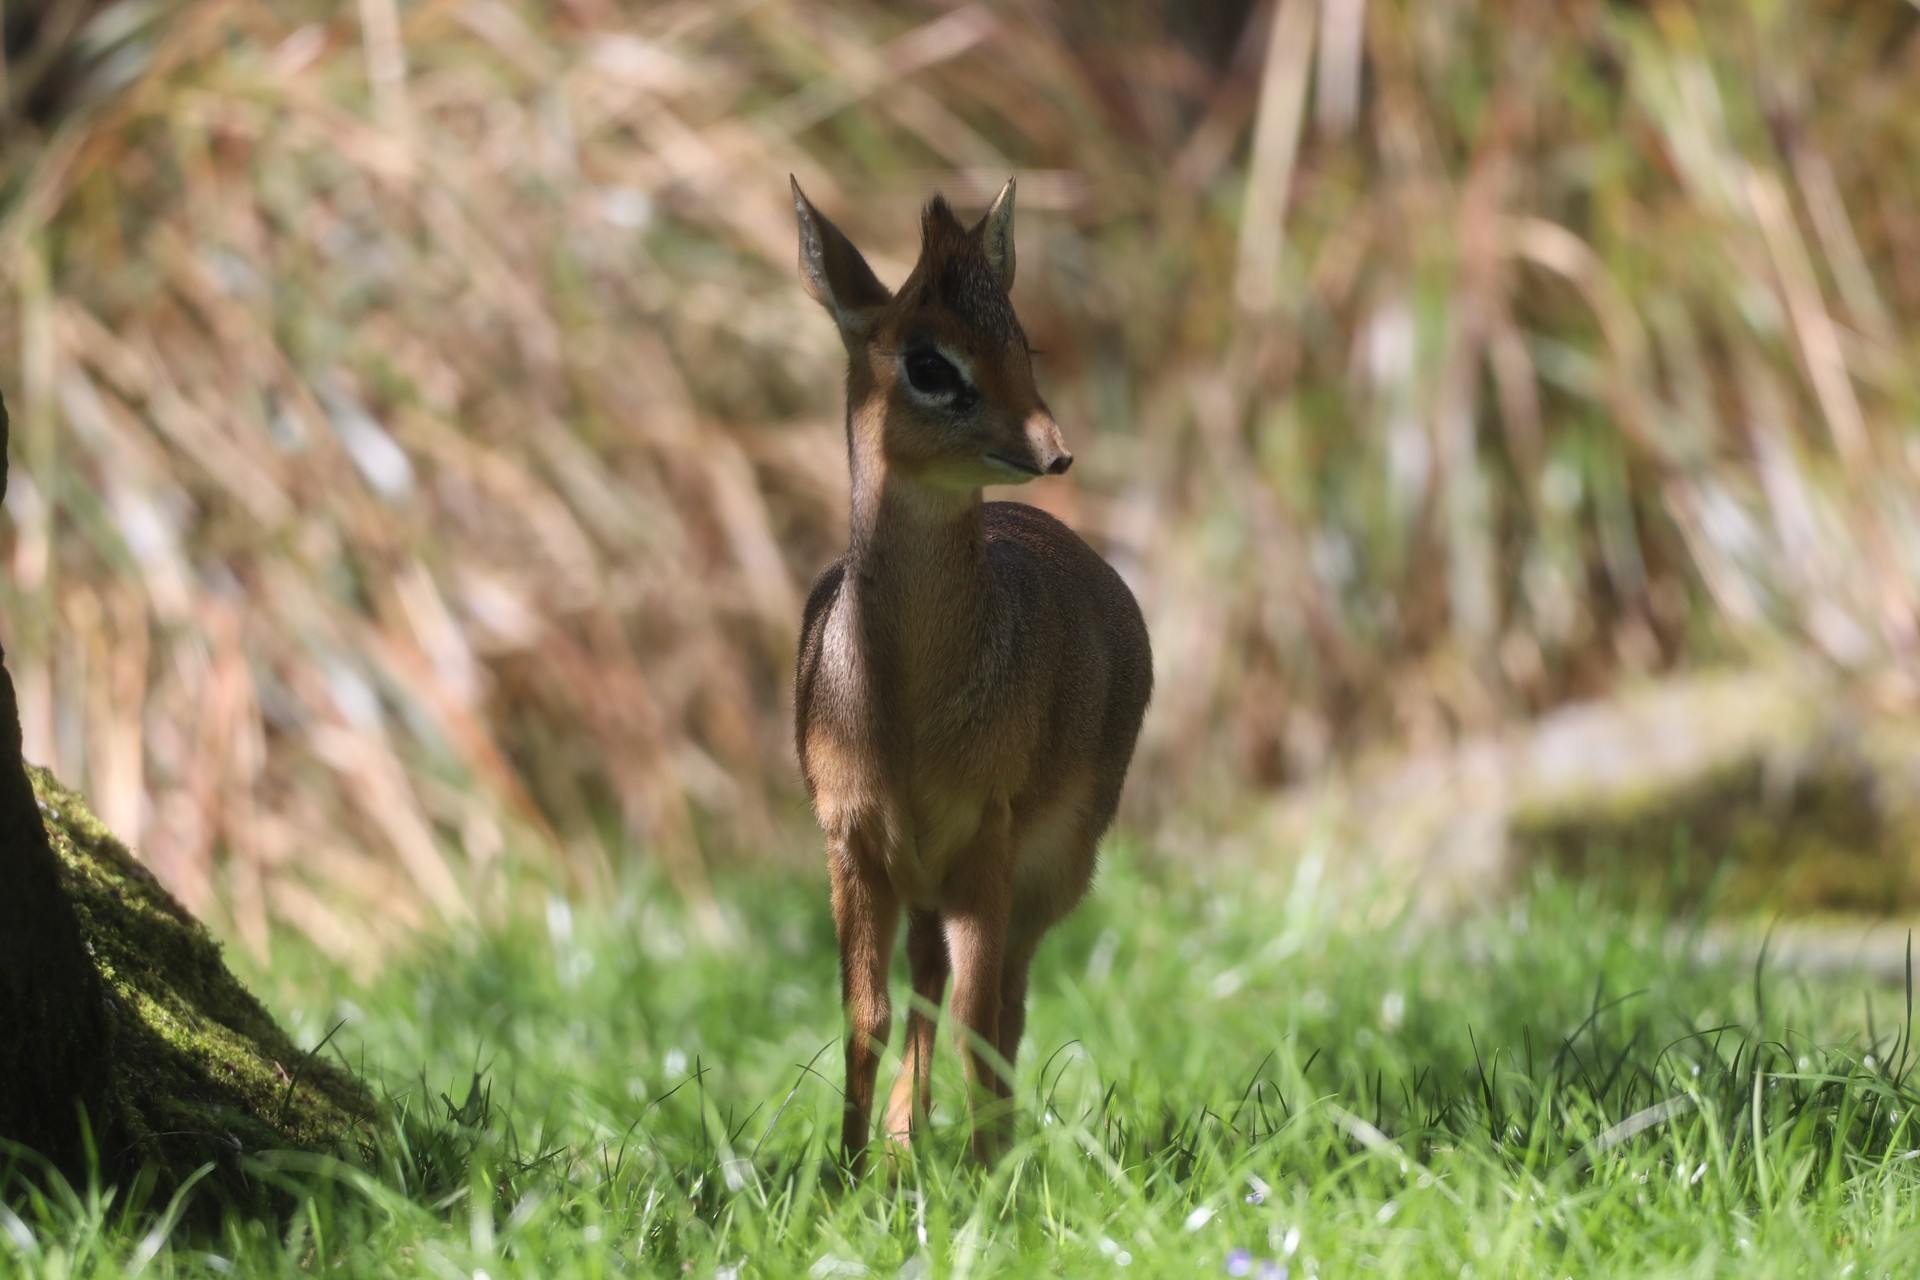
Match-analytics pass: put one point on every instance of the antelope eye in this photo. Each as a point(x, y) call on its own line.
point(932, 373)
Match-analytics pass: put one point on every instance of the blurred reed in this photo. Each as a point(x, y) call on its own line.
point(424, 446)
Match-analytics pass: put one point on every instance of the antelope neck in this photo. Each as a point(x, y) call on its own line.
point(917, 559)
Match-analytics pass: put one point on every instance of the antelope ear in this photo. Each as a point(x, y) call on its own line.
point(996, 236)
point(833, 271)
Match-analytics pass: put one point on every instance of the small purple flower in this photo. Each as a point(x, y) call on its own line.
point(1240, 1263)
point(1271, 1270)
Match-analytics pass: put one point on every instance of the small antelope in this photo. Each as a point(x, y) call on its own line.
point(971, 676)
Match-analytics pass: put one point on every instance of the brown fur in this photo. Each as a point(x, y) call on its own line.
point(971, 677)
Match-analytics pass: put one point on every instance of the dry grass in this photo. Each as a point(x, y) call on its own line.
point(423, 446)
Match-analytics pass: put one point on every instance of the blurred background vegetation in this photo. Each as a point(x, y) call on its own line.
point(423, 445)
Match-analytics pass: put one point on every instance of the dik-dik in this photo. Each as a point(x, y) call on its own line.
point(971, 677)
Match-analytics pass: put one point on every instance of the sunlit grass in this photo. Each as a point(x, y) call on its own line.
point(1219, 1074)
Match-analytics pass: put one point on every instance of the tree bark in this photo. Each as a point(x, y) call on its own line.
point(54, 1033)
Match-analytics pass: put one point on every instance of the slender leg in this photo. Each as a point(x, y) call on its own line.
point(976, 941)
point(912, 1096)
point(1013, 992)
point(866, 913)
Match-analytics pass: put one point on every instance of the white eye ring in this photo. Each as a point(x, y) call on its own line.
point(961, 365)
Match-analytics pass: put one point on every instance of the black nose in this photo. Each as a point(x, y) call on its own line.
point(1058, 467)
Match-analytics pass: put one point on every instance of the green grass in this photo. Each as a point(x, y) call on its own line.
point(1212, 1066)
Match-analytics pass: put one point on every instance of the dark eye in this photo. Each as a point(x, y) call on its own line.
point(932, 373)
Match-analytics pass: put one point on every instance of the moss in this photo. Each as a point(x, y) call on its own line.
point(201, 1072)
point(1827, 827)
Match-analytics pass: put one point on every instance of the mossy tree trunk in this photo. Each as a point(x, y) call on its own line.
point(54, 1031)
point(118, 1016)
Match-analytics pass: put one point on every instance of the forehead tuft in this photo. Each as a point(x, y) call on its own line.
point(939, 227)
point(965, 285)
point(955, 275)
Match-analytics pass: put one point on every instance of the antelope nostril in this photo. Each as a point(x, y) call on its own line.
point(1058, 467)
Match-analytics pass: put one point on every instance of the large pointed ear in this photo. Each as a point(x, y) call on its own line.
point(996, 236)
point(833, 271)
